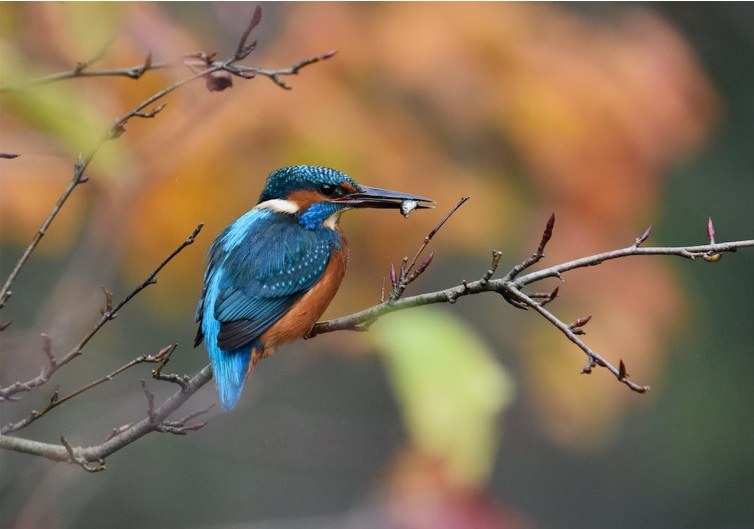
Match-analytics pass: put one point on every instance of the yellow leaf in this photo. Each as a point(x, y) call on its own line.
point(449, 385)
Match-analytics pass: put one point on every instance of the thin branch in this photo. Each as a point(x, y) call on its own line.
point(408, 273)
point(434, 230)
point(688, 252)
point(96, 454)
point(593, 358)
point(93, 457)
point(115, 130)
point(496, 255)
point(510, 288)
point(501, 285)
point(275, 74)
point(218, 77)
point(243, 49)
point(161, 357)
point(107, 315)
point(201, 60)
point(130, 72)
point(208, 69)
point(78, 172)
point(536, 256)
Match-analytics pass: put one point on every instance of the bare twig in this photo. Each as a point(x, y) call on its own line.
point(201, 63)
point(409, 271)
point(243, 49)
point(109, 314)
point(116, 129)
point(78, 172)
point(120, 438)
point(496, 255)
point(641, 239)
point(593, 357)
point(89, 466)
point(536, 256)
point(161, 357)
point(207, 69)
point(130, 72)
point(275, 74)
point(510, 288)
point(218, 75)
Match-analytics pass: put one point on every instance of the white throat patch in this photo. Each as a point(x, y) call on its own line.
point(279, 205)
point(332, 221)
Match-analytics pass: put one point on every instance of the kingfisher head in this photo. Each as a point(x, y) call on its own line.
point(318, 195)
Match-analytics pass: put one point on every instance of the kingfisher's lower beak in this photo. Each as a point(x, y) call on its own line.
point(374, 197)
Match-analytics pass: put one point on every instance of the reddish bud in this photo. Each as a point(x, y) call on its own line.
point(162, 354)
point(622, 373)
point(547, 234)
point(580, 322)
point(643, 237)
point(425, 263)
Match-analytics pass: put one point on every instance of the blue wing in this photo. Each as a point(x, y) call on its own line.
point(258, 268)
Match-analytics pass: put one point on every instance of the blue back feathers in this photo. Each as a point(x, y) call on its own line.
point(258, 268)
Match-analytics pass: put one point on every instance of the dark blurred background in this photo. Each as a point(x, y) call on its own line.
point(615, 116)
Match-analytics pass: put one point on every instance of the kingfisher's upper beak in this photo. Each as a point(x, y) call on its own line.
point(374, 197)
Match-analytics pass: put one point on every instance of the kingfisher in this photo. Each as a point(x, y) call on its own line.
point(273, 272)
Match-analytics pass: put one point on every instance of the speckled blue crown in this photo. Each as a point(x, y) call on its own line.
point(283, 182)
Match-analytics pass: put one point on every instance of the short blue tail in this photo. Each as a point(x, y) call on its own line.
point(229, 369)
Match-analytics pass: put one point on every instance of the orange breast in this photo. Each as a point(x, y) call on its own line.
point(299, 320)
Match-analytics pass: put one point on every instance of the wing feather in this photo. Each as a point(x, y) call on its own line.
point(259, 267)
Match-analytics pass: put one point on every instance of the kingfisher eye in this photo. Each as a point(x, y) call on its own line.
point(330, 190)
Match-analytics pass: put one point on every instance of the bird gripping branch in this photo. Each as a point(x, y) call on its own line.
point(273, 272)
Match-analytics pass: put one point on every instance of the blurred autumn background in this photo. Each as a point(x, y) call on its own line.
point(473, 415)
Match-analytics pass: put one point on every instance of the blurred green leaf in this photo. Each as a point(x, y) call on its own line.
point(449, 385)
point(57, 109)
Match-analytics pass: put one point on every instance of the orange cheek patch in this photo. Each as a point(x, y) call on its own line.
point(304, 199)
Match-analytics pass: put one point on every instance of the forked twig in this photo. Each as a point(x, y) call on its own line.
point(108, 314)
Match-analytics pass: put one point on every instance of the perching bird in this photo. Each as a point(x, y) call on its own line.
point(273, 272)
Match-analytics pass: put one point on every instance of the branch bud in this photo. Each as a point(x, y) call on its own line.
point(218, 81)
point(577, 325)
point(643, 237)
point(622, 373)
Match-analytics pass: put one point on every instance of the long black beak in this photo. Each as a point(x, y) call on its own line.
point(374, 197)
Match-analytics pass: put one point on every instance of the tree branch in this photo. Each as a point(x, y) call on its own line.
point(96, 454)
point(108, 314)
point(92, 458)
point(218, 76)
point(161, 358)
point(509, 287)
point(209, 69)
